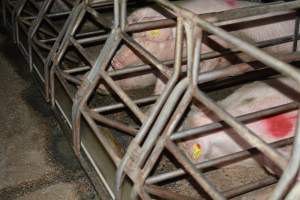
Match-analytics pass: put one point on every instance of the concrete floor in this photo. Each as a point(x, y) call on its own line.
point(36, 162)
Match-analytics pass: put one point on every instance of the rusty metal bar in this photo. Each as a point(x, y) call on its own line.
point(156, 179)
point(156, 131)
point(243, 119)
point(113, 124)
point(198, 176)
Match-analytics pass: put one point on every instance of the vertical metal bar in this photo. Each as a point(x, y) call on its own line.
point(178, 57)
point(90, 83)
point(37, 22)
point(189, 29)
point(117, 13)
point(290, 173)
point(197, 57)
point(57, 56)
point(295, 192)
point(146, 127)
point(48, 65)
point(296, 31)
point(35, 25)
point(123, 14)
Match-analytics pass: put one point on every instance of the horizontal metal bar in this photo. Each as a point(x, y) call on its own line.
point(242, 130)
point(205, 56)
point(220, 17)
point(113, 124)
point(156, 179)
point(124, 97)
point(77, 69)
point(256, 53)
point(243, 118)
point(165, 193)
point(147, 55)
point(197, 176)
point(139, 102)
point(250, 187)
point(113, 154)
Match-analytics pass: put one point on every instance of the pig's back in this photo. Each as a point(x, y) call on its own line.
point(261, 95)
point(251, 35)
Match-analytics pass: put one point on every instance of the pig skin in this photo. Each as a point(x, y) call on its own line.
point(161, 43)
point(247, 99)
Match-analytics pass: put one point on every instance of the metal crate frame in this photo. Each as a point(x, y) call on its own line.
point(131, 172)
point(49, 45)
point(157, 130)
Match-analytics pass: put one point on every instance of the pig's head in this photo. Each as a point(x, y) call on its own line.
point(159, 42)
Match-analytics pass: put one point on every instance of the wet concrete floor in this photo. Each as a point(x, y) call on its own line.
point(36, 161)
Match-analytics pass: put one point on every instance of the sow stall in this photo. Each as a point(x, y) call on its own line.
point(129, 140)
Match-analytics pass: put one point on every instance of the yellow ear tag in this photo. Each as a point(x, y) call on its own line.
point(154, 33)
point(197, 151)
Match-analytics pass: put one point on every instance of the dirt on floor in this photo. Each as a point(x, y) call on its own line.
point(36, 161)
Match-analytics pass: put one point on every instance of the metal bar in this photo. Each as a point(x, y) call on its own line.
point(198, 176)
point(36, 23)
point(165, 193)
point(106, 144)
point(70, 78)
point(250, 187)
point(139, 102)
point(296, 32)
point(210, 55)
point(295, 192)
point(82, 51)
point(90, 83)
point(77, 69)
point(113, 124)
point(261, 56)
point(146, 127)
point(243, 131)
point(124, 97)
point(49, 67)
point(154, 135)
point(145, 54)
point(220, 17)
point(98, 17)
point(156, 179)
point(291, 172)
point(243, 119)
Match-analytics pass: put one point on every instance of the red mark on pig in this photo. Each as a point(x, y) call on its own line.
point(280, 126)
point(231, 2)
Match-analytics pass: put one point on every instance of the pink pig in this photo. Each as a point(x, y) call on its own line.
point(161, 42)
point(247, 99)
